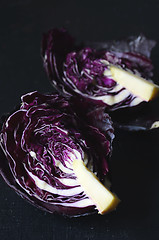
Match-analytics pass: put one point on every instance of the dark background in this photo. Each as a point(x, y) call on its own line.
point(135, 157)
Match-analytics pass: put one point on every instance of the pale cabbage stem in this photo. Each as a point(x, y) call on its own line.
point(137, 85)
point(104, 200)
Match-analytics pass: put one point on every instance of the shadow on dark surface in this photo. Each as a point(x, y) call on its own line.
point(135, 172)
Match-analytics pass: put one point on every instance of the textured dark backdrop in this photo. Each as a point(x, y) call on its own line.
point(135, 158)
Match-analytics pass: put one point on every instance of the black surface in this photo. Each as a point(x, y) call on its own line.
point(135, 158)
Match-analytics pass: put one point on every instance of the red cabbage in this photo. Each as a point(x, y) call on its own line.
point(79, 70)
point(38, 144)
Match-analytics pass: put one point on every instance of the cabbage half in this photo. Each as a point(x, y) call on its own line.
point(39, 142)
point(80, 70)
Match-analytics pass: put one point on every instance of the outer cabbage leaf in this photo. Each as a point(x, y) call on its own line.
point(38, 143)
